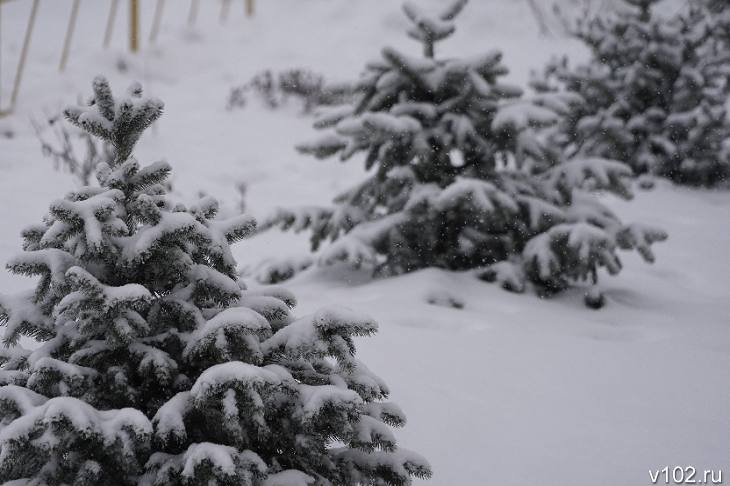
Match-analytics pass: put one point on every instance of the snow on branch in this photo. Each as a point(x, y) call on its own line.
point(121, 123)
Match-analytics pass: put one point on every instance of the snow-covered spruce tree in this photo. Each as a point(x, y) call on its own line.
point(460, 176)
point(155, 367)
point(655, 92)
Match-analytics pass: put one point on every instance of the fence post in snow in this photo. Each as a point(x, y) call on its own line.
point(133, 33)
point(156, 20)
point(193, 14)
point(69, 35)
point(110, 23)
point(1, 59)
point(23, 55)
point(134, 25)
point(225, 7)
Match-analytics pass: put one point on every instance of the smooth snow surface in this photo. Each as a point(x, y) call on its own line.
point(509, 390)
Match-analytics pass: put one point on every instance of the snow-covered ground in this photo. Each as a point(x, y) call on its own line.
point(509, 390)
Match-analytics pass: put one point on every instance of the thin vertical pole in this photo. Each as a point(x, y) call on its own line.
point(134, 25)
point(540, 17)
point(225, 7)
point(157, 20)
point(110, 23)
point(69, 35)
point(193, 14)
point(23, 54)
point(249, 8)
point(1, 58)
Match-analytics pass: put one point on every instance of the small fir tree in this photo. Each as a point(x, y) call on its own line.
point(460, 176)
point(655, 92)
point(155, 367)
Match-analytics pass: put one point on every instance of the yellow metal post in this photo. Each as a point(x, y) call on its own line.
point(134, 25)
point(69, 35)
